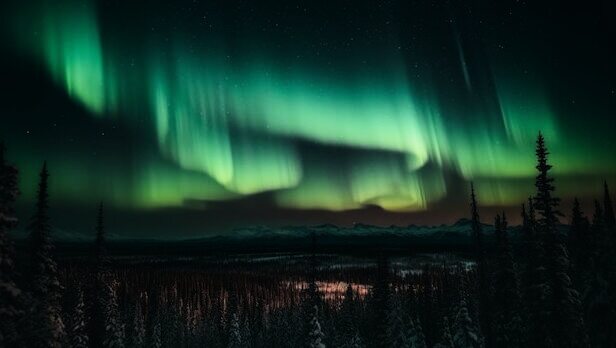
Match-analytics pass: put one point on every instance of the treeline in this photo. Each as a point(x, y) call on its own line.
point(550, 289)
point(546, 289)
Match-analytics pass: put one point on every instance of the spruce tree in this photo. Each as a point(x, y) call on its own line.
point(347, 329)
point(114, 328)
point(396, 328)
point(524, 215)
point(76, 323)
point(610, 220)
point(311, 296)
point(155, 339)
point(257, 324)
point(379, 304)
point(137, 339)
point(416, 338)
point(235, 336)
point(598, 235)
point(100, 288)
point(497, 230)
point(545, 203)
point(607, 270)
point(11, 296)
point(446, 339)
point(46, 325)
point(102, 261)
point(508, 322)
point(529, 220)
point(466, 333)
point(483, 276)
point(355, 342)
point(596, 288)
point(536, 290)
point(579, 238)
point(566, 321)
point(598, 222)
point(315, 337)
point(245, 333)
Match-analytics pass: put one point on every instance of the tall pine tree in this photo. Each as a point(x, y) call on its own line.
point(508, 322)
point(379, 304)
point(610, 220)
point(46, 325)
point(396, 328)
point(100, 289)
point(11, 296)
point(566, 322)
point(311, 296)
point(594, 275)
point(446, 339)
point(466, 333)
point(76, 323)
point(580, 243)
point(114, 328)
point(347, 329)
point(416, 338)
point(315, 336)
point(235, 336)
point(102, 261)
point(483, 276)
point(607, 267)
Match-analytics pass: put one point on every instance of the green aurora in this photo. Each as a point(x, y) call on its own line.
point(232, 120)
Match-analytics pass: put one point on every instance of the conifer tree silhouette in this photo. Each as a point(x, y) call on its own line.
point(507, 318)
point(100, 291)
point(579, 238)
point(46, 326)
point(483, 276)
point(566, 323)
point(610, 220)
point(11, 296)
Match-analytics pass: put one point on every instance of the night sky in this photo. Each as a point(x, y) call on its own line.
point(189, 118)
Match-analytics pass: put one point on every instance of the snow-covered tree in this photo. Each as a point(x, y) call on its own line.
point(235, 333)
point(347, 333)
point(102, 261)
point(114, 328)
point(446, 339)
point(316, 334)
point(466, 333)
point(610, 219)
point(507, 320)
point(566, 323)
point(483, 274)
point(11, 296)
point(396, 328)
point(379, 305)
point(535, 288)
point(355, 342)
point(156, 335)
point(137, 338)
point(311, 298)
point(76, 324)
point(579, 227)
point(245, 333)
point(46, 327)
point(100, 287)
point(416, 338)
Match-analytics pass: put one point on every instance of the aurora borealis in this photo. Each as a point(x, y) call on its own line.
point(334, 107)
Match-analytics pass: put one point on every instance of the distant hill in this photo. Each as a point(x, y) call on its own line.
point(461, 228)
point(330, 238)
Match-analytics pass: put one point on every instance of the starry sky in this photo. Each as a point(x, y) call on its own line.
point(189, 118)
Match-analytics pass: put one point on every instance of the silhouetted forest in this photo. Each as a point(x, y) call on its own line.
point(543, 288)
